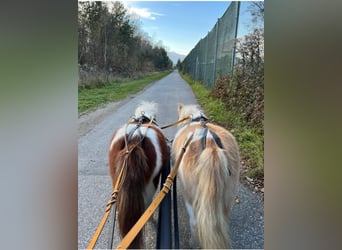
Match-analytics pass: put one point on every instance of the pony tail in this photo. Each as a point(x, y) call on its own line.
point(210, 198)
point(130, 198)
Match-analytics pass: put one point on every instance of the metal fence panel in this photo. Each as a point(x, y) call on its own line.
point(214, 55)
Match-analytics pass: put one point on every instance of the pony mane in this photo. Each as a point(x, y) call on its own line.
point(187, 110)
point(149, 109)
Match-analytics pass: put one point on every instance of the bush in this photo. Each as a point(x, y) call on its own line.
point(250, 140)
point(244, 93)
point(237, 103)
point(243, 97)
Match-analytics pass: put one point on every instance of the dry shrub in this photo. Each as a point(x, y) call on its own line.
point(244, 93)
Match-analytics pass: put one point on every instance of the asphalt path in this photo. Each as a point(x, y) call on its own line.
point(94, 184)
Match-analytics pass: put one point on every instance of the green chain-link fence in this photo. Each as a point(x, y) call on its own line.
point(214, 54)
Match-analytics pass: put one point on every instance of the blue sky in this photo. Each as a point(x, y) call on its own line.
point(179, 25)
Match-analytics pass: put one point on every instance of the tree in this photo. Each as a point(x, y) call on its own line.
point(248, 92)
point(250, 50)
point(160, 59)
point(110, 43)
point(257, 10)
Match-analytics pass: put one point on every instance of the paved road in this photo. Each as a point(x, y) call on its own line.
point(94, 184)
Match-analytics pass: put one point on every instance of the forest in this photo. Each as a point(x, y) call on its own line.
point(111, 45)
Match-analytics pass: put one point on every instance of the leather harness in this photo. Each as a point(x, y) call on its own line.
point(141, 120)
point(167, 185)
point(203, 121)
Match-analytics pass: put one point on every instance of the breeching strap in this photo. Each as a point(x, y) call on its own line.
point(130, 236)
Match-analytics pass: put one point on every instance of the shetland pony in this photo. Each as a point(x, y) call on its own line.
point(209, 172)
point(144, 165)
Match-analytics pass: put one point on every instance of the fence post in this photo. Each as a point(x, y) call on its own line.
point(206, 61)
point(215, 56)
point(236, 29)
point(196, 70)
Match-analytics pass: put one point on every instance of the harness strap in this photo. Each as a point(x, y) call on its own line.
point(130, 236)
point(202, 118)
point(175, 123)
point(214, 135)
point(131, 133)
point(204, 137)
point(144, 118)
point(117, 186)
point(217, 139)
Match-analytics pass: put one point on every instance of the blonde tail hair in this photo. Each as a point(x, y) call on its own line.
point(210, 201)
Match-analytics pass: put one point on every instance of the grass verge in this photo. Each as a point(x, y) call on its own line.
point(250, 141)
point(90, 98)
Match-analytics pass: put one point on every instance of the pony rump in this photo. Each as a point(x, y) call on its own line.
point(209, 173)
point(147, 156)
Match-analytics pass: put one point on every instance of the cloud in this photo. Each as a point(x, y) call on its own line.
point(143, 13)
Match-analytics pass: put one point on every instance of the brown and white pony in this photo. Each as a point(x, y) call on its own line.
point(209, 172)
point(144, 165)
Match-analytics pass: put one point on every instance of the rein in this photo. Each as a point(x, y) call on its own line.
point(117, 186)
point(127, 240)
point(175, 123)
point(122, 174)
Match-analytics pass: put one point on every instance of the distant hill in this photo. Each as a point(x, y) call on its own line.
point(175, 56)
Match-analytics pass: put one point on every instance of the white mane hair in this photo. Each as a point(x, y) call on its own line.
point(187, 110)
point(149, 109)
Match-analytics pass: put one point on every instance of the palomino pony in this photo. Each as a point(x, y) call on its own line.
point(148, 155)
point(209, 172)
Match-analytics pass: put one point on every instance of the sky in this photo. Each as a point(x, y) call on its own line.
point(179, 25)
